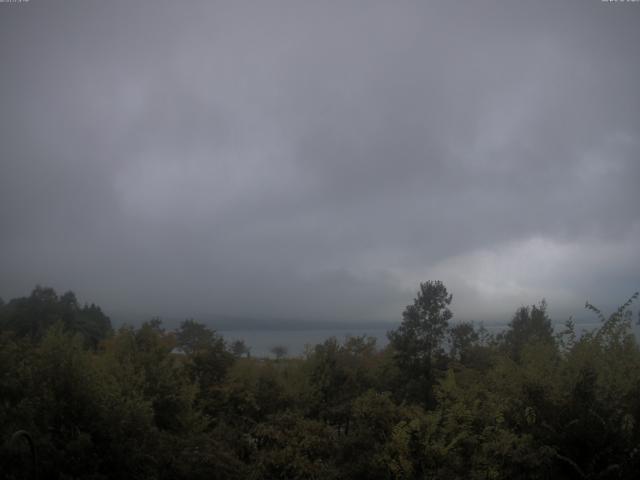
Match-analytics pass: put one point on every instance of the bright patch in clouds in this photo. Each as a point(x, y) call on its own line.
point(489, 284)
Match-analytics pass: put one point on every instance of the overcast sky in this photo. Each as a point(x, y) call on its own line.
point(318, 159)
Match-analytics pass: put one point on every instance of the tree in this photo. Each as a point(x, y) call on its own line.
point(32, 316)
point(424, 323)
point(294, 447)
point(529, 325)
point(193, 337)
point(207, 359)
point(240, 349)
point(280, 351)
point(337, 374)
point(462, 339)
point(418, 340)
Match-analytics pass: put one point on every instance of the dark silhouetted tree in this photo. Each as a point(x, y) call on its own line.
point(193, 336)
point(240, 349)
point(462, 340)
point(529, 325)
point(418, 340)
point(207, 357)
point(32, 316)
point(280, 351)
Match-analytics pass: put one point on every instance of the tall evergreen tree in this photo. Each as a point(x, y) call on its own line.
point(418, 341)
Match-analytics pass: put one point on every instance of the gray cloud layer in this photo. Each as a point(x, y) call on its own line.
point(317, 159)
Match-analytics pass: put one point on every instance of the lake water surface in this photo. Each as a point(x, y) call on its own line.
point(262, 341)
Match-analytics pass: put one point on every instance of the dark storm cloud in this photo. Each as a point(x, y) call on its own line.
point(317, 159)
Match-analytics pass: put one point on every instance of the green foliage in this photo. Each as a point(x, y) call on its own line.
point(529, 325)
point(417, 343)
point(290, 446)
point(424, 323)
point(207, 357)
point(463, 342)
point(147, 403)
point(193, 337)
point(240, 349)
point(337, 374)
point(32, 316)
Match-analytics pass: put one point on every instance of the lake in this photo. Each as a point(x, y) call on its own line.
point(262, 341)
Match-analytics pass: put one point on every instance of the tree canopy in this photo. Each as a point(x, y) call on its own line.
point(417, 342)
point(439, 401)
point(32, 316)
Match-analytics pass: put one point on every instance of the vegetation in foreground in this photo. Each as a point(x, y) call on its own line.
point(442, 401)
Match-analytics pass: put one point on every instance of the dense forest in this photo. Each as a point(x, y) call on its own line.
point(444, 400)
